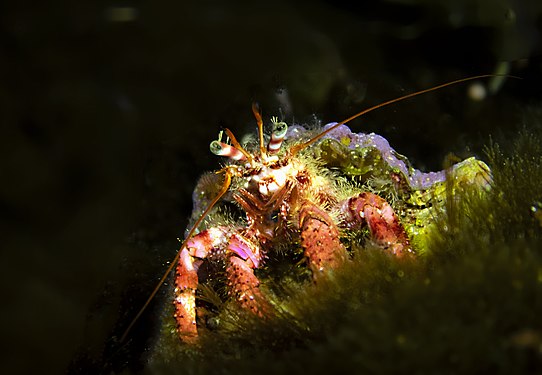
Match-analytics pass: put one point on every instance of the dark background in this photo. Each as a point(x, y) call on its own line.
point(107, 109)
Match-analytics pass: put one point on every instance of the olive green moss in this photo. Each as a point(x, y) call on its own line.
point(471, 304)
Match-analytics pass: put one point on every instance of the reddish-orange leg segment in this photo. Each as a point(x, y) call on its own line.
point(386, 231)
point(320, 240)
point(241, 255)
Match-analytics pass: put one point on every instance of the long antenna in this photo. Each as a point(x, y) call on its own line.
point(295, 149)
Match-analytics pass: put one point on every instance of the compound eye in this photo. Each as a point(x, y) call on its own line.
point(280, 129)
point(216, 148)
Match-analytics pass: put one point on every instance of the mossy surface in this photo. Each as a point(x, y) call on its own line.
point(471, 304)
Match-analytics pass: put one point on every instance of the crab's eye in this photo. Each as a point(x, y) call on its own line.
point(280, 129)
point(216, 148)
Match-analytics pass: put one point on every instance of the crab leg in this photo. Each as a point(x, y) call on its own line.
point(186, 281)
point(386, 231)
point(243, 284)
point(242, 255)
point(320, 239)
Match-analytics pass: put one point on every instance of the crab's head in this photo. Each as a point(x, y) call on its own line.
point(262, 170)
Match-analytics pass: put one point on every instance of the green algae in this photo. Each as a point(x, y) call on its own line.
point(471, 303)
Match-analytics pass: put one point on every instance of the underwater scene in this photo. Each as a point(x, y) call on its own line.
point(241, 187)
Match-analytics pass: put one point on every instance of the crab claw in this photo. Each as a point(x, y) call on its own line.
point(386, 231)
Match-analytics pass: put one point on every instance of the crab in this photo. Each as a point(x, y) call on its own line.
point(288, 193)
point(284, 195)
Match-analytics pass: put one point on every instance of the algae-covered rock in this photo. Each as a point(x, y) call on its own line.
point(417, 197)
